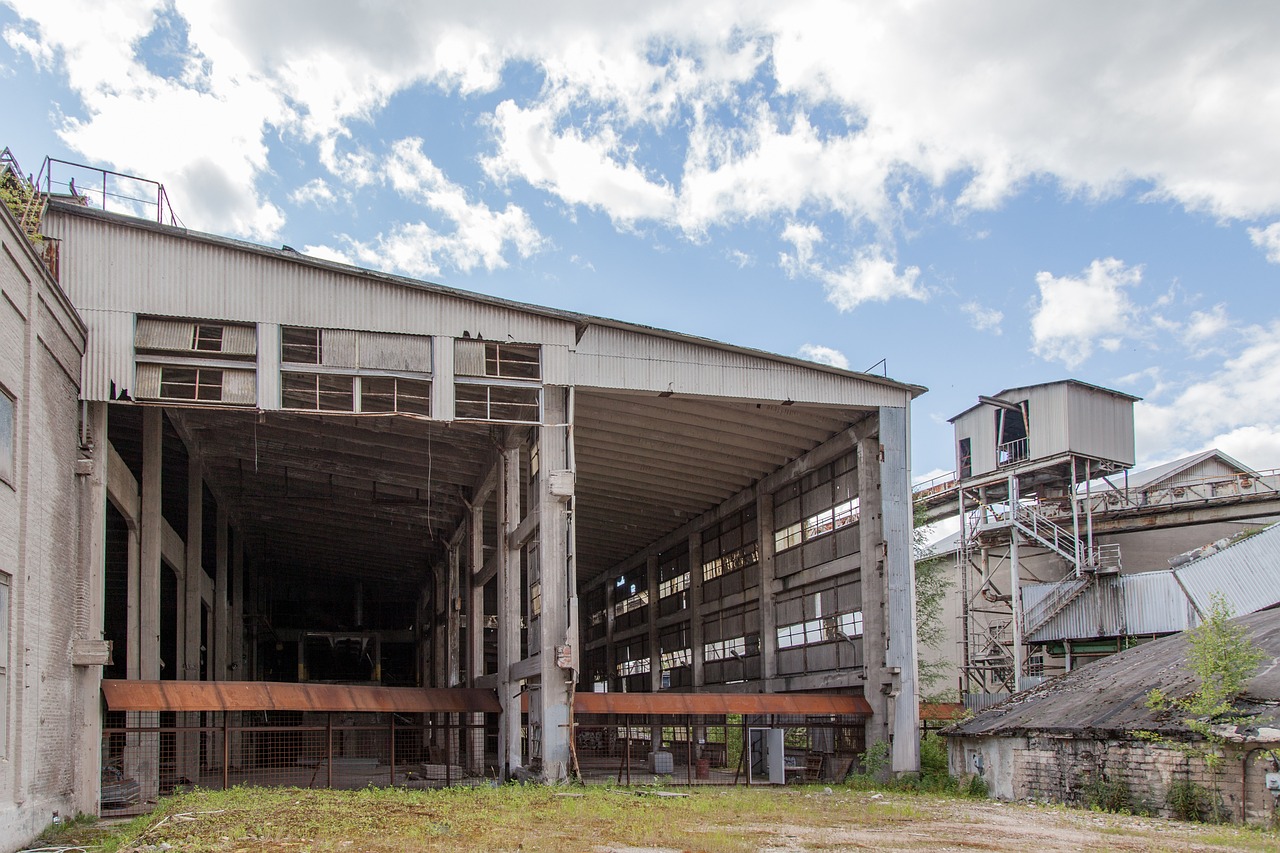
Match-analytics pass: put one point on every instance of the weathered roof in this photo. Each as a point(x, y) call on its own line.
point(1000, 394)
point(1160, 473)
point(1109, 697)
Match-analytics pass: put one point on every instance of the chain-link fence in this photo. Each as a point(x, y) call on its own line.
point(146, 755)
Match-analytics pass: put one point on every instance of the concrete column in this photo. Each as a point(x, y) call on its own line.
point(475, 629)
point(93, 522)
point(697, 638)
point(509, 593)
point(895, 491)
point(655, 650)
point(220, 671)
point(143, 751)
point(610, 650)
point(559, 600)
point(149, 570)
point(453, 618)
point(768, 615)
point(191, 638)
point(237, 667)
point(876, 686)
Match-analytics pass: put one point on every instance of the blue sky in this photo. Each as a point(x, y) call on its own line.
point(982, 195)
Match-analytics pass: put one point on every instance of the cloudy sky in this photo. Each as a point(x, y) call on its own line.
point(970, 196)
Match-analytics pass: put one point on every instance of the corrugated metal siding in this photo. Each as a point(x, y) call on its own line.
point(338, 348)
point(618, 358)
point(1101, 425)
point(107, 266)
point(1119, 606)
point(468, 358)
point(1155, 604)
point(108, 355)
point(269, 366)
point(1048, 423)
point(1247, 574)
point(379, 351)
point(153, 333)
point(240, 387)
point(980, 428)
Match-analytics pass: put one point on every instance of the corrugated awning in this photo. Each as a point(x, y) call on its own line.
point(130, 695)
point(716, 704)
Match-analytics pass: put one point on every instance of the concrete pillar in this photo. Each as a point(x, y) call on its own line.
point(899, 561)
point(221, 584)
point(92, 558)
point(768, 615)
point(655, 650)
point(475, 629)
point(509, 593)
point(559, 599)
point(874, 642)
point(192, 637)
point(237, 665)
point(453, 618)
point(144, 750)
point(697, 638)
point(610, 650)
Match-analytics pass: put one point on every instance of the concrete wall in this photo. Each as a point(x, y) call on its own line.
point(1059, 769)
point(43, 568)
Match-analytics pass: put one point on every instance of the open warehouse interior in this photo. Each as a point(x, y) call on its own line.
point(301, 472)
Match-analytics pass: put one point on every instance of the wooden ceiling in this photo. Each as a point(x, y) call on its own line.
point(339, 496)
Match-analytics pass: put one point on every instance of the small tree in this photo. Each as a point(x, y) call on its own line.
point(1224, 659)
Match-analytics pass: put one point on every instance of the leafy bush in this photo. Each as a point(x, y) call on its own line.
point(1110, 795)
point(933, 754)
point(1191, 801)
point(977, 788)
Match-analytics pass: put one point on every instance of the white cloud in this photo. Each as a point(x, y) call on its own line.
point(868, 277)
point(315, 192)
point(40, 54)
point(328, 253)
point(1236, 406)
point(594, 170)
point(1207, 325)
point(983, 319)
point(481, 234)
point(824, 355)
point(694, 115)
point(1073, 315)
point(1268, 240)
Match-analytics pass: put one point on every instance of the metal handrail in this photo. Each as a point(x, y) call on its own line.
point(163, 209)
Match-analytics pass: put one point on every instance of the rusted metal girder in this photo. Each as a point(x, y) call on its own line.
point(716, 704)
point(133, 695)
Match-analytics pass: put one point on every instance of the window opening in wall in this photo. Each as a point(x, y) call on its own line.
point(725, 649)
point(1011, 434)
point(512, 361)
point(730, 544)
point(679, 583)
point(190, 383)
point(8, 412)
point(207, 338)
point(820, 630)
point(826, 496)
point(395, 394)
point(535, 600)
point(317, 392)
point(300, 346)
point(966, 458)
point(497, 402)
point(634, 667)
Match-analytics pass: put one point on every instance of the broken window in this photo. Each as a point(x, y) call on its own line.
point(300, 346)
point(317, 392)
point(207, 338)
point(512, 361)
point(498, 402)
point(7, 427)
point(394, 394)
point(730, 544)
point(816, 506)
point(966, 458)
point(191, 383)
point(1011, 433)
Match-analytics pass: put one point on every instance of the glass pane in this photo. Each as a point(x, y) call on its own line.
point(337, 393)
point(377, 394)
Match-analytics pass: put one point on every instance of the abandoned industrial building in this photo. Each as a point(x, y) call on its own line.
point(269, 518)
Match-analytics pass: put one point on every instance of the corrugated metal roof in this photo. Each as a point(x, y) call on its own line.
point(1000, 394)
point(1246, 573)
point(1110, 695)
point(130, 695)
point(653, 704)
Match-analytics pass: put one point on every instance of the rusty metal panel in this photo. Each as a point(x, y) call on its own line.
point(134, 695)
point(653, 704)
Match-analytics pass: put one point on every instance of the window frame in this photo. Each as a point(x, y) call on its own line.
point(8, 438)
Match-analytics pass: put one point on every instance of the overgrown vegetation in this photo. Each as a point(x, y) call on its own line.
point(1223, 657)
point(932, 779)
point(1188, 800)
point(933, 582)
point(539, 818)
point(1110, 795)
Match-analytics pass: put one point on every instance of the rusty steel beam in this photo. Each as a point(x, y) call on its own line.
point(134, 695)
